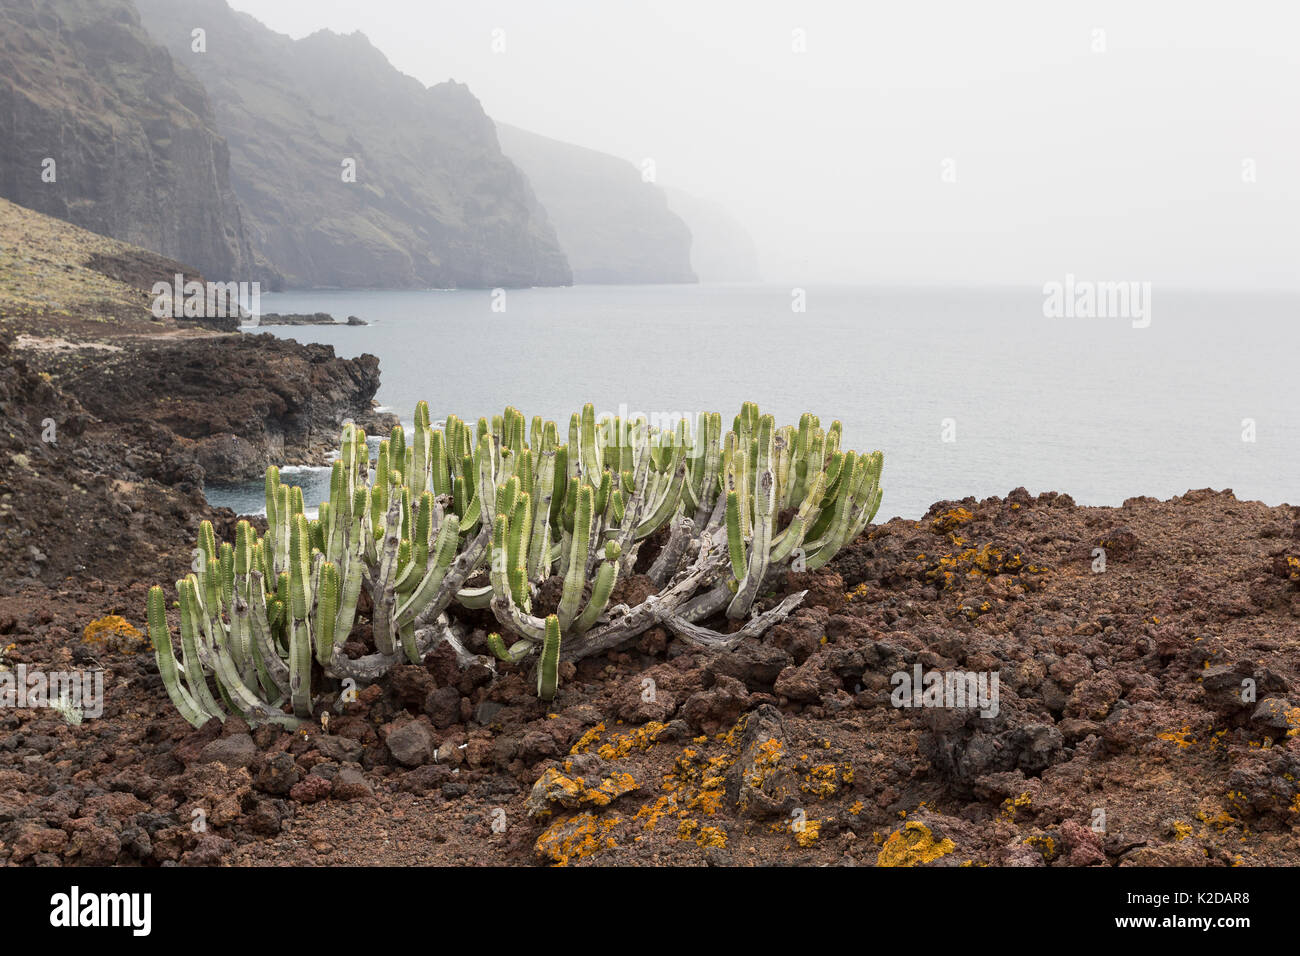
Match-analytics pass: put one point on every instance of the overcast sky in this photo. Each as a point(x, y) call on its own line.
point(952, 141)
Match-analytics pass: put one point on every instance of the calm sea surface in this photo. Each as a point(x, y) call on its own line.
point(1093, 407)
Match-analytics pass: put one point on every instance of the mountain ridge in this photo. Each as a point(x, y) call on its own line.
point(434, 202)
point(613, 226)
point(132, 141)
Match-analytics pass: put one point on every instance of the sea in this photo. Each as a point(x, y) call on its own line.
point(966, 390)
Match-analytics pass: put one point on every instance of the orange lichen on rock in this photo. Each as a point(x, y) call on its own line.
point(586, 741)
point(577, 837)
point(620, 745)
point(656, 810)
point(1010, 806)
point(572, 792)
point(952, 568)
point(766, 756)
point(711, 837)
point(1045, 845)
point(113, 632)
point(707, 801)
point(732, 737)
point(1221, 820)
point(612, 787)
point(807, 832)
point(1293, 718)
point(951, 520)
point(823, 780)
point(1182, 738)
point(913, 844)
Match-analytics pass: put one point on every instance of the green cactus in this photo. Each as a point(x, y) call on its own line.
point(548, 668)
point(836, 495)
point(263, 620)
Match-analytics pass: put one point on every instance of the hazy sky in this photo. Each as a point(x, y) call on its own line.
point(955, 141)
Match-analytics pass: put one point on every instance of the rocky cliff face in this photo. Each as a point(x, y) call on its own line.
point(135, 153)
point(613, 226)
point(721, 249)
point(434, 201)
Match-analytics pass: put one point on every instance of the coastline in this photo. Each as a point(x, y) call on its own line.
point(1120, 688)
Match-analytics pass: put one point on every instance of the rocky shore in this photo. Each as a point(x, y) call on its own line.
point(189, 400)
point(233, 406)
point(314, 318)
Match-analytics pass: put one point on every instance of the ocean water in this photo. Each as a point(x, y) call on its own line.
point(967, 391)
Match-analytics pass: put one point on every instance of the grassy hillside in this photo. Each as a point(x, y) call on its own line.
point(58, 280)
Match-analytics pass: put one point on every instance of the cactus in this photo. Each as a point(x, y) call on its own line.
point(548, 668)
point(423, 533)
point(212, 647)
point(735, 487)
point(263, 620)
point(836, 495)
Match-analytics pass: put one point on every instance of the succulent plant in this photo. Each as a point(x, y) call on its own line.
point(256, 647)
point(836, 496)
point(266, 618)
point(723, 557)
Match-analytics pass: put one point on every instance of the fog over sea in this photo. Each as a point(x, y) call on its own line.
point(1094, 407)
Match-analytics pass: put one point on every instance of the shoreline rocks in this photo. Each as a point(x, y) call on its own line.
point(232, 405)
point(314, 318)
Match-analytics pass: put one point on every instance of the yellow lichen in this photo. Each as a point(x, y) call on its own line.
point(806, 833)
point(707, 802)
point(732, 737)
point(113, 632)
point(823, 780)
point(1009, 806)
point(612, 787)
point(1221, 820)
point(653, 812)
point(951, 520)
point(913, 844)
point(1044, 845)
point(1182, 738)
point(575, 838)
point(572, 792)
point(586, 741)
point(620, 745)
point(711, 837)
point(766, 756)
